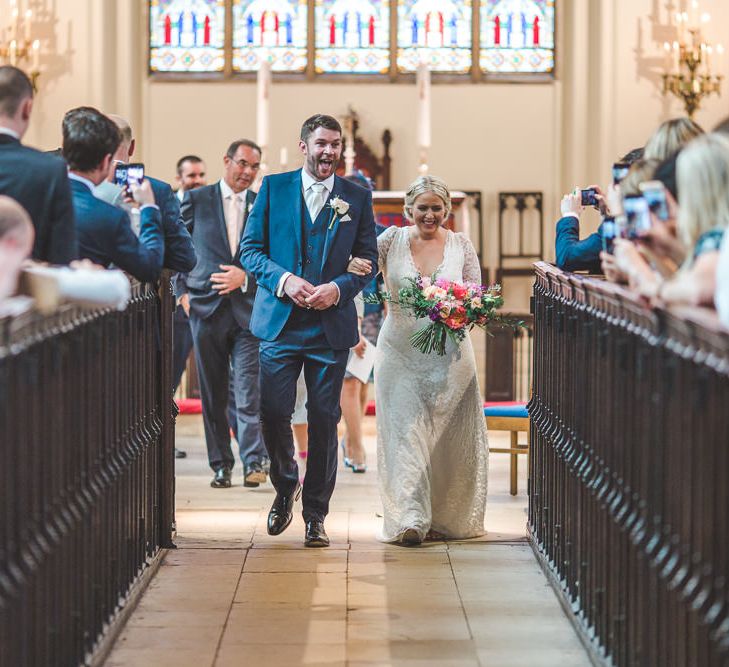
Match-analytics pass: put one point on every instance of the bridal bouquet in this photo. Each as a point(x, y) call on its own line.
point(453, 309)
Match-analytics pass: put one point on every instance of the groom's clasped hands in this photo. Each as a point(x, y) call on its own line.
point(306, 295)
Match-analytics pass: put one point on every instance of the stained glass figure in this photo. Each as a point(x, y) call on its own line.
point(436, 31)
point(517, 36)
point(273, 29)
point(187, 35)
point(353, 36)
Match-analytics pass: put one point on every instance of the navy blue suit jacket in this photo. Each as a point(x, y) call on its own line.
point(179, 251)
point(573, 254)
point(203, 215)
point(106, 237)
point(271, 246)
point(39, 183)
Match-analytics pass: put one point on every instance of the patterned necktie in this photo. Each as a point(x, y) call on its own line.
point(315, 201)
point(233, 223)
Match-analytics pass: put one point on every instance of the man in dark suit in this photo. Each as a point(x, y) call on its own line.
point(303, 229)
point(179, 253)
point(221, 300)
point(38, 182)
point(90, 139)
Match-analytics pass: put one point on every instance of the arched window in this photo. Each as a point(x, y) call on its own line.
point(187, 35)
point(375, 38)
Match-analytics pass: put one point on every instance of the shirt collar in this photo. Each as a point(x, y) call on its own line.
point(9, 132)
point(89, 184)
point(227, 191)
point(307, 180)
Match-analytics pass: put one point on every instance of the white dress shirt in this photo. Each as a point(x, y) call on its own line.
point(721, 297)
point(9, 132)
point(234, 218)
point(314, 204)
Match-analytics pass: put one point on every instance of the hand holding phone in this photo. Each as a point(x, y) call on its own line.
point(620, 171)
point(127, 175)
point(655, 194)
point(637, 215)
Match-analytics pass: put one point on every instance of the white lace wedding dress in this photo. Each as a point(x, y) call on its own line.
point(432, 454)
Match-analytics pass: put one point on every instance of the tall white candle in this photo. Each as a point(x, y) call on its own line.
point(13, 52)
point(14, 24)
point(26, 25)
point(423, 86)
point(263, 99)
point(36, 55)
point(284, 159)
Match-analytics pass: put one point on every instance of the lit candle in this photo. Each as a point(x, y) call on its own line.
point(284, 159)
point(13, 51)
point(14, 24)
point(36, 55)
point(669, 58)
point(26, 25)
point(677, 56)
point(694, 11)
point(422, 81)
point(263, 95)
point(709, 51)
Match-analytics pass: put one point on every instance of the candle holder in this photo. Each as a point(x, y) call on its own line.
point(686, 82)
point(16, 53)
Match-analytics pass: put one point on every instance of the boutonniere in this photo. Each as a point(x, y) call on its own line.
point(250, 206)
point(339, 208)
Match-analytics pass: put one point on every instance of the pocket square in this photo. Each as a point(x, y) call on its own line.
point(345, 218)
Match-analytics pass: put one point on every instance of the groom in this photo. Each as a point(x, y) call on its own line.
point(301, 233)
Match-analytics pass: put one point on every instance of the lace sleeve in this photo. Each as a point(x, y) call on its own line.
point(384, 241)
point(471, 265)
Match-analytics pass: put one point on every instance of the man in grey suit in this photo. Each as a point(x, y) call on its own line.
point(221, 301)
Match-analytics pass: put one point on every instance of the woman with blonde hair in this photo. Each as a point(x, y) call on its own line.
point(702, 172)
point(432, 456)
point(671, 137)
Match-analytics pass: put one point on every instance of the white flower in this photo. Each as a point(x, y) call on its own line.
point(339, 208)
point(339, 205)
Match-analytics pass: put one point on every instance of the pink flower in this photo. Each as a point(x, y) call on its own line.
point(425, 281)
point(443, 283)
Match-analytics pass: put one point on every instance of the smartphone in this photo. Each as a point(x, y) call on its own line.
point(589, 197)
point(607, 232)
point(126, 175)
point(620, 171)
point(655, 194)
point(637, 215)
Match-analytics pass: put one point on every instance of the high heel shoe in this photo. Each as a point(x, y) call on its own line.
point(358, 467)
point(345, 459)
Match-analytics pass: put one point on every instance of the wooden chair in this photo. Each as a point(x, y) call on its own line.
point(512, 417)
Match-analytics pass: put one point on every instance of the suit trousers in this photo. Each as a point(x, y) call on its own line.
point(227, 354)
point(302, 343)
point(181, 345)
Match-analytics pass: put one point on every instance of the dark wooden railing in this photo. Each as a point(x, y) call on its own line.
point(86, 471)
point(629, 472)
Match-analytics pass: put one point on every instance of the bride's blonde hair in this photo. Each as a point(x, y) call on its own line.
point(420, 186)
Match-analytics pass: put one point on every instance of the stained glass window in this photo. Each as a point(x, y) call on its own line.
point(436, 31)
point(187, 35)
point(275, 29)
point(517, 35)
point(353, 36)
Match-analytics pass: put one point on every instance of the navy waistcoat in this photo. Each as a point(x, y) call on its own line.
point(313, 240)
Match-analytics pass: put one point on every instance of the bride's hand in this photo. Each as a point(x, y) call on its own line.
point(359, 266)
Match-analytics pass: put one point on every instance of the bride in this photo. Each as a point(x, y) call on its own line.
point(432, 454)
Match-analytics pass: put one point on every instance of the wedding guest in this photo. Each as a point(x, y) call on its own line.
point(179, 252)
point(16, 243)
point(571, 253)
point(671, 137)
point(191, 174)
point(221, 301)
point(702, 171)
point(38, 182)
point(90, 139)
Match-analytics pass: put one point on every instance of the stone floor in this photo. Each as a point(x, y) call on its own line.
point(231, 595)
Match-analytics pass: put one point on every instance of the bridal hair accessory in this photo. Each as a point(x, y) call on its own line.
point(339, 208)
point(452, 308)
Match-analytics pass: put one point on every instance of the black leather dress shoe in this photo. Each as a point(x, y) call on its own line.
point(254, 475)
point(281, 512)
point(315, 535)
point(222, 479)
point(180, 453)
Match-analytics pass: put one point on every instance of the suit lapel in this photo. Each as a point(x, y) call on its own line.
point(216, 195)
point(331, 233)
point(296, 196)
